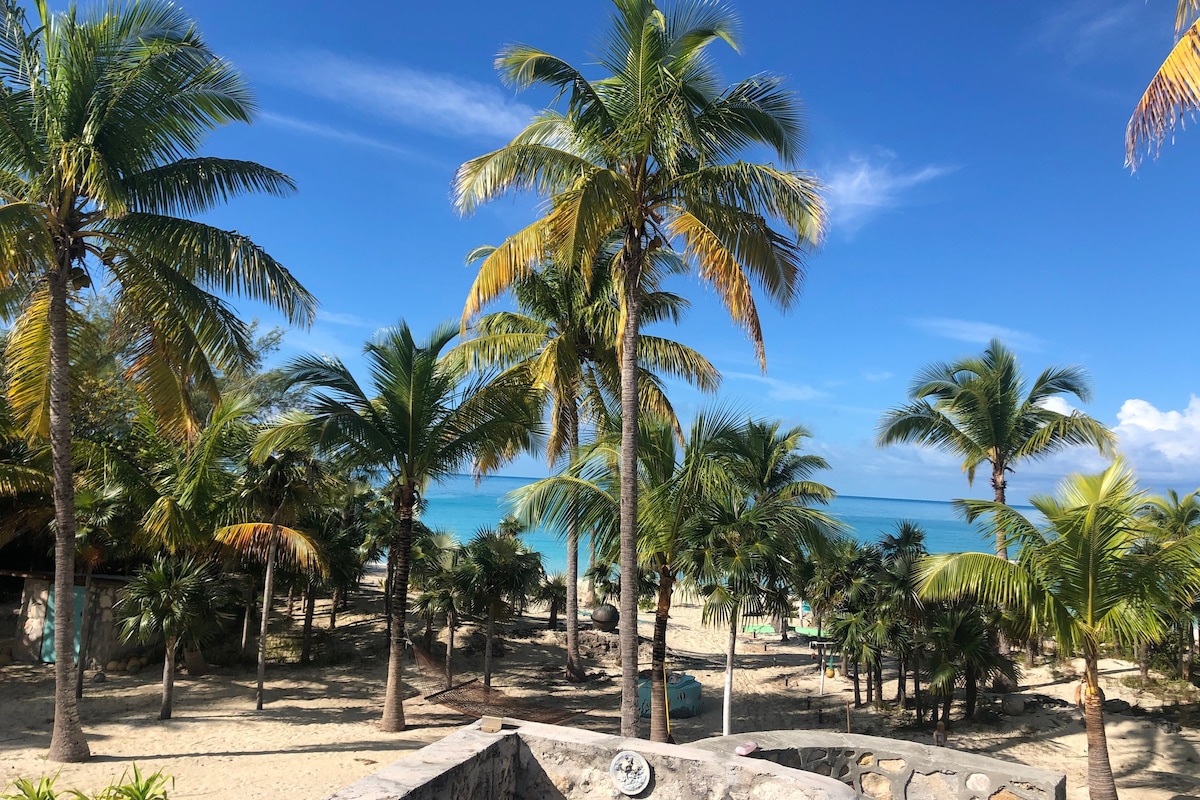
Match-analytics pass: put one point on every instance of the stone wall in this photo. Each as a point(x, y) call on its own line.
point(105, 643)
point(890, 768)
point(528, 761)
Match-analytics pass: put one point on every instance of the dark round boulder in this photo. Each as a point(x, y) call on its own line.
point(606, 617)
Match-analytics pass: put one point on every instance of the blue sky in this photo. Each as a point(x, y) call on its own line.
point(973, 155)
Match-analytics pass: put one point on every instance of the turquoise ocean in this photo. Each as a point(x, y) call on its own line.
point(460, 506)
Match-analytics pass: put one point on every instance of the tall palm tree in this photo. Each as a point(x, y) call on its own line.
point(982, 410)
point(562, 340)
point(1084, 575)
point(1173, 91)
point(425, 416)
point(646, 156)
point(502, 572)
point(173, 598)
point(105, 114)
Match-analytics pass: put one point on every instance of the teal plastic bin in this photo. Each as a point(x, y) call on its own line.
point(683, 696)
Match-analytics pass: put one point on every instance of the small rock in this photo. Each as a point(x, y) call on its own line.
point(1013, 704)
point(99, 677)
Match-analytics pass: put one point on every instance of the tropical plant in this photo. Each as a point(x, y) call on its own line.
point(644, 158)
point(500, 573)
point(1172, 518)
point(1173, 91)
point(562, 341)
point(426, 417)
point(1084, 575)
point(174, 598)
point(106, 111)
point(553, 593)
point(982, 410)
point(274, 487)
point(444, 591)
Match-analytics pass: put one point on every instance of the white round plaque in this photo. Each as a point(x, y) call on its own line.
point(630, 772)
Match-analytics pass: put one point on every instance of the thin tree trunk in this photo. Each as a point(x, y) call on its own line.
point(401, 549)
point(86, 624)
point(947, 701)
point(998, 486)
point(249, 615)
point(552, 623)
point(1031, 648)
point(310, 608)
point(971, 693)
point(1101, 785)
point(659, 709)
point(1144, 660)
point(727, 704)
point(268, 588)
point(870, 684)
point(67, 743)
point(857, 686)
point(333, 607)
point(168, 696)
point(879, 679)
point(391, 587)
point(450, 624)
point(916, 673)
point(901, 681)
point(291, 601)
point(487, 651)
point(629, 500)
point(574, 669)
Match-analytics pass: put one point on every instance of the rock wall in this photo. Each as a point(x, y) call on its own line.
point(882, 768)
point(105, 643)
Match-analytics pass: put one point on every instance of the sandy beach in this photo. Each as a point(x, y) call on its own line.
point(318, 730)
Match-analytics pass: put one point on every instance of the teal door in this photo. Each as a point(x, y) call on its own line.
point(48, 654)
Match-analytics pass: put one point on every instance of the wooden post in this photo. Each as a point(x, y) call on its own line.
point(847, 716)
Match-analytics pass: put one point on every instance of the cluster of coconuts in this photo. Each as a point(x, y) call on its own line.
point(132, 666)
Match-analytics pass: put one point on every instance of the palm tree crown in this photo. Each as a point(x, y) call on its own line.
point(982, 410)
point(1173, 91)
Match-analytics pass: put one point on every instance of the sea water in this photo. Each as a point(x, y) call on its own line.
point(461, 506)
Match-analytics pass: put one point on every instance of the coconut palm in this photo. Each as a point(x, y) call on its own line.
point(646, 156)
point(425, 417)
point(1172, 518)
point(553, 593)
point(1084, 575)
point(562, 340)
point(445, 592)
point(1173, 91)
point(501, 573)
point(982, 410)
point(105, 112)
point(173, 598)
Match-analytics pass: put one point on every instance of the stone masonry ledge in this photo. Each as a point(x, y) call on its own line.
point(882, 768)
point(531, 761)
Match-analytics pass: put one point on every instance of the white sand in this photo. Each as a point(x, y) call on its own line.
point(318, 731)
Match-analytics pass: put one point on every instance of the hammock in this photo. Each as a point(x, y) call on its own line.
point(474, 700)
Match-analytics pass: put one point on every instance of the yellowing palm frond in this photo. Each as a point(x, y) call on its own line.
point(296, 548)
point(1174, 92)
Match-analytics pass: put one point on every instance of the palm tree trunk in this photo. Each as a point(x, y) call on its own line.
point(727, 703)
point(552, 623)
point(901, 681)
point(916, 673)
point(857, 686)
point(249, 615)
point(1101, 785)
point(333, 607)
point(291, 601)
point(67, 743)
point(870, 684)
point(1144, 660)
point(168, 695)
point(389, 588)
point(879, 679)
point(487, 650)
point(398, 558)
point(629, 500)
point(971, 693)
point(268, 588)
point(310, 607)
point(947, 701)
point(659, 726)
point(574, 670)
point(86, 624)
point(450, 625)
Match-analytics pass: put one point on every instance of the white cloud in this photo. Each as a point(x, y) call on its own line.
point(1087, 30)
point(348, 320)
point(435, 102)
point(337, 134)
point(977, 332)
point(1056, 403)
point(876, 377)
point(779, 390)
point(860, 188)
point(1170, 436)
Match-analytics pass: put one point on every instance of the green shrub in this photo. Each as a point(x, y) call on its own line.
point(140, 787)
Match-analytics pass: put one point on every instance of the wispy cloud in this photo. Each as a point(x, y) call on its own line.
point(877, 377)
point(1087, 30)
point(977, 332)
point(862, 187)
point(779, 390)
point(346, 320)
point(435, 102)
point(336, 134)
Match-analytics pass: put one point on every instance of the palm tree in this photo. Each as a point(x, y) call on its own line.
point(1084, 575)
point(106, 112)
point(501, 573)
point(980, 410)
point(1172, 518)
point(444, 592)
point(1173, 91)
point(173, 598)
point(426, 417)
point(563, 342)
point(645, 158)
point(553, 592)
